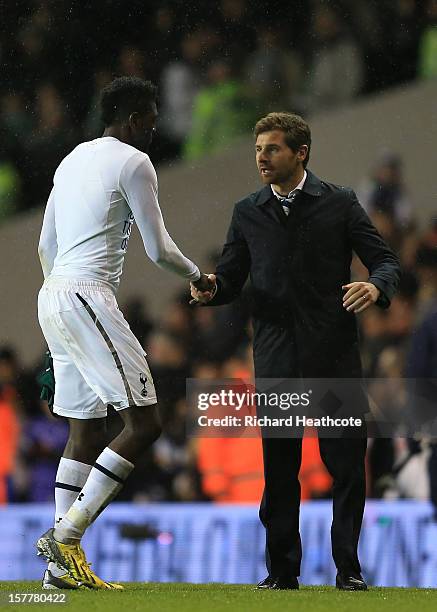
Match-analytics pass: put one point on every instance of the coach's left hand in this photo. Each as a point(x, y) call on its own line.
point(359, 296)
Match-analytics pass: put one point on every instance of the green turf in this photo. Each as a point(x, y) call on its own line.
point(166, 597)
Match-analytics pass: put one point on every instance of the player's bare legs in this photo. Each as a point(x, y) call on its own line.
point(87, 439)
point(110, 468)
point(101, 482)
point(142, 426)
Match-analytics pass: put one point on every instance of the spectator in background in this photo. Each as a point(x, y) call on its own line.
point(367, 23)
point(44, 439)
point(404, 29)
point(231, 467)
point(222, 112)
point(408, 250)
point(427, 66)
point(15, 119)
point(10, 188)
point(17, 384)
point(93, 126)
point(15, 126)
point(388, 349)
point(52, 137)
point(385, 192)
point(389, 329)
point(388, 400)
point(399, 322)
point(147, 41)
point(180, 83)
point(177, 321)
point(170, 368)
point(140, 322)
point(374, 333)
point(162, 40)
point(19, 398)
point(426, 267)
point(422, 364)
point(9, 439)
point(337, 71)
point(236, 29)
point(131, 61)
point(34, 53)
point(273, 72)
point(176, 458)
point(211, 43)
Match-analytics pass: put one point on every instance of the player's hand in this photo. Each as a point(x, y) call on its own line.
point(359, 296)
point(204, 283)
point(204, 289)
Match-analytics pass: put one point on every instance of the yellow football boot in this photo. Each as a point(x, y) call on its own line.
point(71, 557)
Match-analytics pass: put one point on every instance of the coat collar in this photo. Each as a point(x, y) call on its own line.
point(312, 186)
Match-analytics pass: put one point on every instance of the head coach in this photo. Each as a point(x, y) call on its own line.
point(295, 238)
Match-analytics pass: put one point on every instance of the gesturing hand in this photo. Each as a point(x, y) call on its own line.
point(359, 296)
point(203, 290)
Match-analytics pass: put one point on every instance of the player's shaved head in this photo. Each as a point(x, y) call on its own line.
point(124, 96)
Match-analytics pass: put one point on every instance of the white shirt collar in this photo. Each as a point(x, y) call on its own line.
point(298, 187)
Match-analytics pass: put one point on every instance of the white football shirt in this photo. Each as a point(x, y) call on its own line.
point(99, 190)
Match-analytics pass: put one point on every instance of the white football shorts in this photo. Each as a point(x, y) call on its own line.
point(97, 359)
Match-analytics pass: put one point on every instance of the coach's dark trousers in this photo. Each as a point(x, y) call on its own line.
point(344, 458)
point(279, 511)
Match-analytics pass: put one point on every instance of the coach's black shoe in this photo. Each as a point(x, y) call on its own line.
point(279, 583)
point(350, 583)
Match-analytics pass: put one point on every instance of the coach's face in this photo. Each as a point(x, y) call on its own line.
point(276, 162)
point(142, 127)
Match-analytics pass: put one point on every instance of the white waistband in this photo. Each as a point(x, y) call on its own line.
point(65, 282)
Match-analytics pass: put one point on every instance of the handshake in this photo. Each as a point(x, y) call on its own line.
point(204, 289)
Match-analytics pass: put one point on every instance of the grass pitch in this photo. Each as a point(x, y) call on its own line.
point(181, 597)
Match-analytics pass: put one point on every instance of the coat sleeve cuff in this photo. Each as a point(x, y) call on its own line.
point(383, 300)
point(219, 297)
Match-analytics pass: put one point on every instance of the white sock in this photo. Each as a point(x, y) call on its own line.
point(70, 478)
point(105, 480)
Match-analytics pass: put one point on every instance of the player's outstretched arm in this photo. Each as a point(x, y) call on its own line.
point(139, 184)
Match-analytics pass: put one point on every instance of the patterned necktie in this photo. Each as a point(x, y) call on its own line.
point(287, 202)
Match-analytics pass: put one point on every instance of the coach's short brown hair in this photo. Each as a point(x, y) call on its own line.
point(297, 131)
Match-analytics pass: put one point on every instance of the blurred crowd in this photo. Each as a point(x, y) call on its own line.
point(215, 343)
point(219, 67)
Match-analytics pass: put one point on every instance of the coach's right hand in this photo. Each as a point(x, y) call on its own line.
point(204, 289)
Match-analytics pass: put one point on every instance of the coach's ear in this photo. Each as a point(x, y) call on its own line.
point(302, 153)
